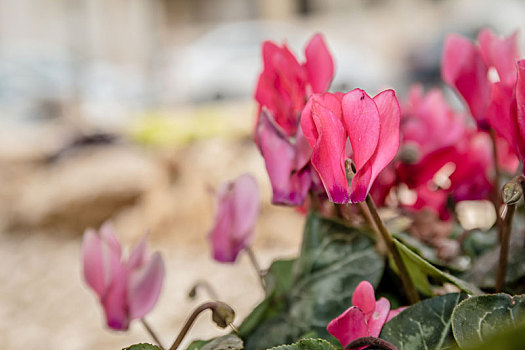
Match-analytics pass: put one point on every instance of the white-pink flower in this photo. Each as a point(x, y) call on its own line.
point(128, 289)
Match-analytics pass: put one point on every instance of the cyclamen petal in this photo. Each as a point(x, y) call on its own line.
point(364, 297)
point(325, 132)
point(319, 64)
point(373, 128)
point(500, 53)
point(92, 262)
point(237, 209)
point(348, 326)
point(520, 102)
point(464, 69)
point(285, 162)
point(378, 317)
point(145, 285)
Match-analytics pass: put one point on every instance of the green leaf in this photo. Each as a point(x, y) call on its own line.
point(334, 259)
point(420, 270)
point(226, 342)
point(507, 339)
point(476, 319)
point(142, 346)
point(307, 344)
point(425, 325)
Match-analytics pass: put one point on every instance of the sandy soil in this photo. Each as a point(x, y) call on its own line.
point(44, 303)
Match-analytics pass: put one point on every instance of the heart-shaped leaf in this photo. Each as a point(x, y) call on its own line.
point(425, 325)
point(307, 344)
point(478, 318)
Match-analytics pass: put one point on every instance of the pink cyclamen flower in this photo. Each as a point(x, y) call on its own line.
point(237, 209)
point(467, 67)
point(285, 84)
point(370, 124)
point(282, 91)
point(364, 319)
point(128, 289)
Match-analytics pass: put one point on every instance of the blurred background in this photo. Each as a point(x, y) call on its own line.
point(134, 110)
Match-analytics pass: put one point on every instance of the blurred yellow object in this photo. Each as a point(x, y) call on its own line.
point(175, 128)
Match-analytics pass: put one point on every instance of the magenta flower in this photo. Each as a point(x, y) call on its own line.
point(371, 125)
point(237, 209)
point(128, 289)
point(284, 84)
point(466, 66)
point(282, 91)
point(364, 319)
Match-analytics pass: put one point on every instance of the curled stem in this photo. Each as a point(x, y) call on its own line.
point(222, 315)
point(256, 266)
point(505, 230)
point(407, 282)
point(376, 342)
point(202, 284)
point(151, 333)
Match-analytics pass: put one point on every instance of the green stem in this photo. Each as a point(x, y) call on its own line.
point(407, 282)
point(151, 333)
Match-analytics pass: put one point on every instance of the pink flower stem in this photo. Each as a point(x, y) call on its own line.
point(151, 333)
point(407, 282)
point(256, 266)
point(496, 198)
point(376, 342)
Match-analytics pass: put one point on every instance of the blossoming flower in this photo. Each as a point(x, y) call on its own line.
point(370, 124)
point(237, 209)
point(365, 318)
point(282, 91)
point(128, 289)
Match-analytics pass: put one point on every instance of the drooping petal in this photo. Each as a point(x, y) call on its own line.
point(144, 286)
point(520, 102)
point(92, 262)
point(388, 142)
point(283, 162)
point(362, 123)
point(500, 53)
point(502, 114)
point(138, 254)
point(364, 297)
point(319, 64)
point(377, 319)
point(324, 127)
point(115, 301)
point(107, 233)
point(219, 236)
point(348, 326)
point(246, 206)
point(464, 69)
